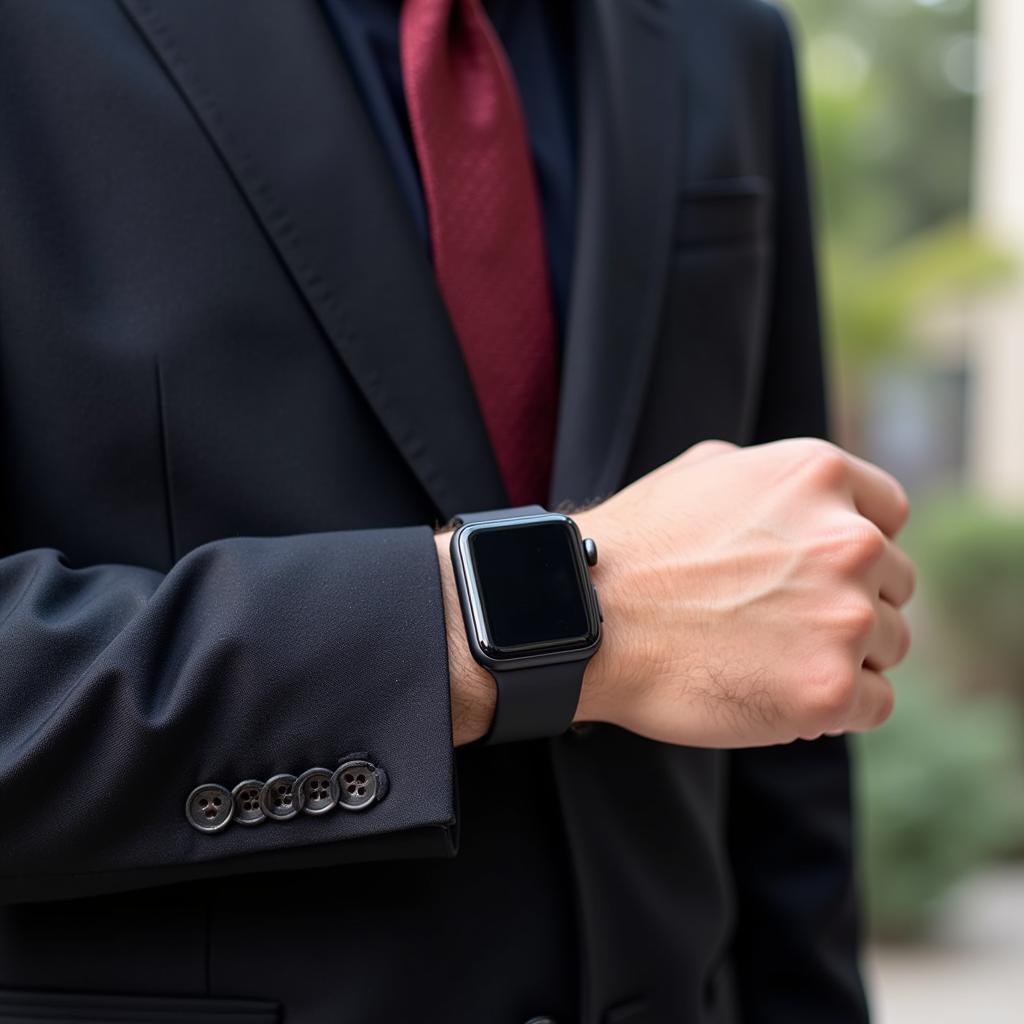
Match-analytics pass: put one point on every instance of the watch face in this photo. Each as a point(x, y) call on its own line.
point(532, 588)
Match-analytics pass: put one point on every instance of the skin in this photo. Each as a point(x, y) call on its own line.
point(752, 596)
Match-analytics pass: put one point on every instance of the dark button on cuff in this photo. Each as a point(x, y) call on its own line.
point(358, 784)
point(277, 798)
point(209, 808)
point(316, 791)
point(246, 796)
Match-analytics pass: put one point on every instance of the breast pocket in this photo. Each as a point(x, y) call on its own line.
point(35, 1007)
point(715, 319)
point(723, 211)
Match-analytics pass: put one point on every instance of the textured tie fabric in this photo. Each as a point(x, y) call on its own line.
point(485, 229)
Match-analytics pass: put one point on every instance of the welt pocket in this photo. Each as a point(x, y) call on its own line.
point(37, 1007)
point(722, 210)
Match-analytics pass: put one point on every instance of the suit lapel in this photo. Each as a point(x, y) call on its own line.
point(629, 57)
point(269, 87)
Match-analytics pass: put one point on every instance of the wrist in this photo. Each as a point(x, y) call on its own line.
point(473, 693)
point(611, 668)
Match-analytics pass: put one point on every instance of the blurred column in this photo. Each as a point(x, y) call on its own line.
point(996, 419)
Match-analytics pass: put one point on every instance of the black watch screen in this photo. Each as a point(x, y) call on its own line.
point(531, 588)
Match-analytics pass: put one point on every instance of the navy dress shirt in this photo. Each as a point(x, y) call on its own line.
point(537, 37)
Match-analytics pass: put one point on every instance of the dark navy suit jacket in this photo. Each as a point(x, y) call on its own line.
point(231, 409)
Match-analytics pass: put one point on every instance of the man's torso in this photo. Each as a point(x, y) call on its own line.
point(216, 319)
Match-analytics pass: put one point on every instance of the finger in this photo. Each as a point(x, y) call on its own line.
point(878, 496)
point(874, 703)
point(889, 640)
point(895, 575)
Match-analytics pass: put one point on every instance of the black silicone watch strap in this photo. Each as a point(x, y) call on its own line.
point(502, 513)
point(535, 702)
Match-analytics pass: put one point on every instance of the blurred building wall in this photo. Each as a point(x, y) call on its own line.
point(996, 417)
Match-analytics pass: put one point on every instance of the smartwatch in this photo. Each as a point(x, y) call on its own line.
point(531, 612)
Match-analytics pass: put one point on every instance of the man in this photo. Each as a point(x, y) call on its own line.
point(282, 287)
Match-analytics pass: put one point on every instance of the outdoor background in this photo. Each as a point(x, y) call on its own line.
point(915, 113)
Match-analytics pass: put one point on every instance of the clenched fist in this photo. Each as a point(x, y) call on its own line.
point(752, 596)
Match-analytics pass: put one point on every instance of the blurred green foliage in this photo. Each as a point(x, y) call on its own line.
point(940, 794)
point(875, 298)
point(890, 90)
point(973, 560)
point(890, 95)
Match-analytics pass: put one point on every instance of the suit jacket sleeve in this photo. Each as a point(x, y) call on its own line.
point(790, 827)
point(121, 689)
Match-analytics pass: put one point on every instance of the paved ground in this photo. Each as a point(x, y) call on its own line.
point(974, 971)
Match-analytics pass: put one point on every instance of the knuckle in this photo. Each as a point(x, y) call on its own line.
point(886, 706)
point(710, 447)
point(870, 541)
point(857, 616)
point(911, 579)
point(905, 638)
point(902, 504)
point(830, 696)
point(859, 545)
point(824, 462)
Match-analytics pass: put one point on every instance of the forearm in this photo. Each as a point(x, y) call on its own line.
point(250, 658)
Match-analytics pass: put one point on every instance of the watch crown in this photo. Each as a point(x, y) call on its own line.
point(590, 550)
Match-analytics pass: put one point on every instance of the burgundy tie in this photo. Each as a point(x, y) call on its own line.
point(485, 228)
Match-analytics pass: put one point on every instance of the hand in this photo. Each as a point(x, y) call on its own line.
point(752, 596)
